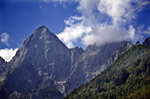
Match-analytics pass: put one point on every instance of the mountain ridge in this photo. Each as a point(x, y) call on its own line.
point(44, 67)
point(123, 79)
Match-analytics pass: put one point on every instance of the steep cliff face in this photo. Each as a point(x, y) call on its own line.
point(75, 54)
point(42, 61)
point(92, 62)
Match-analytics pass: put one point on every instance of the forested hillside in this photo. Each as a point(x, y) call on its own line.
point(127, 77)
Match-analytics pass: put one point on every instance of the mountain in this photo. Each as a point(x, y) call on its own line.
point(120, 51)
point(38, 66)
point(75, 54)
point(147, 41)
point(45, 68)
point(127, 77)
point(92, 62)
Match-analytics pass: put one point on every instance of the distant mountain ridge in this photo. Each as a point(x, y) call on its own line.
point(128, 77)
point(45, 68)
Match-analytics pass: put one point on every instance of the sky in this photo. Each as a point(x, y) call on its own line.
point(75, 22)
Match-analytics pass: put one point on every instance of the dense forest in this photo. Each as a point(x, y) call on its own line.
point(127, 77)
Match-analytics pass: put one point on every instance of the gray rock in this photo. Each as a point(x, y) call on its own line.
point(91, 63)
point(75, 54)
point(45, 68)
point(42, 60)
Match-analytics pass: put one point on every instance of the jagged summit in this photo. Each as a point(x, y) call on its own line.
point(44, 37)
point(42, 29)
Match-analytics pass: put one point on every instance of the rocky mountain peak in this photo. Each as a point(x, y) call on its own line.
point(42, 43)
point(147, 41)
point(41, 34)
point(43, 48)
point(42, 62)
point(42, 29)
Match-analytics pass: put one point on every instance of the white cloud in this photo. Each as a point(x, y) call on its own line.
point(70, 45)
point(104, 34)
point(88, 27)
point(131, 32)
point(116, 9)
point(5, 38)
point(73, 31)
point(72, 20)
point(8, 54)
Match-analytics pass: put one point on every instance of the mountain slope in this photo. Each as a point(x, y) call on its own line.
point(128, 77)
point(45, 68)
point(120, 51)
point(92, 62)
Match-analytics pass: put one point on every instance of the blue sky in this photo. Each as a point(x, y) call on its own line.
point(75, 22)
point(20, 18)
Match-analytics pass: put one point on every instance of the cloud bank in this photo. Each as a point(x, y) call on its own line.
point(8, 54)
point(101, 21)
